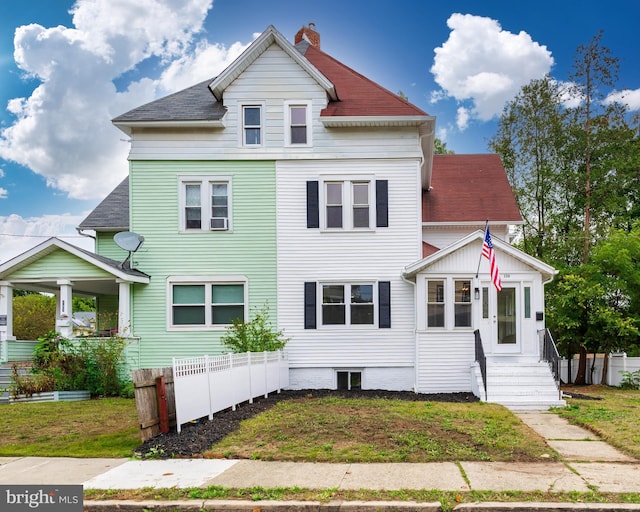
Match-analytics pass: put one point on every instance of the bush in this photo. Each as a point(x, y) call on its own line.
point(256, 335)
point(33, 315)
point(61, 365)
point(630, 380)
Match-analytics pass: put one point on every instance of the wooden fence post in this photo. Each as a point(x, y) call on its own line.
point(163, 411)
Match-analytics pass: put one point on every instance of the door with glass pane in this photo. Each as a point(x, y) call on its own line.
point(500, 324)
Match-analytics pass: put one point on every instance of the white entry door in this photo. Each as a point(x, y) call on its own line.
point(500, 319)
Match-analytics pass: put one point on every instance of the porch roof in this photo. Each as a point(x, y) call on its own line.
point(547, 271)
point(102, 280)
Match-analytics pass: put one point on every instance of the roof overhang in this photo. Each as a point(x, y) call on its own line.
point(257, 48)
point(129, 126)
point(52, 244)
point(547, 271)
point(374, 121)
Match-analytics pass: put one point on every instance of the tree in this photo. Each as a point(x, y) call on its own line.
point(440, 147)
point(593, 69)
point(530, 140)
point(34, 315)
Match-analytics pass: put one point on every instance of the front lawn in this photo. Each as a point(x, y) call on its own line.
point(614, 418)
point(91, 428)
point(338, 429)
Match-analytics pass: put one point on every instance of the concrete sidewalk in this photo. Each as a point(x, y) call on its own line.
point(586, 463)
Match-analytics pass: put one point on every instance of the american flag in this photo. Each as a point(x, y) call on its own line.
point(490, 254)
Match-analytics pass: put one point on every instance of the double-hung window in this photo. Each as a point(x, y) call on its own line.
point(347, 204)
point(462, 303)
point(449, 303)
point(206, 304)
point(252, 125)
point(297, 132)
point(347, 304)
point(358, 204)
point(205, 203)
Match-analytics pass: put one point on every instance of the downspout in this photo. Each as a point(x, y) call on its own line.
point(415, 333)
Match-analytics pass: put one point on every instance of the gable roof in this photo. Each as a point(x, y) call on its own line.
point(547, 271)
point(52, 244)
point(265, 40)
point(469, 189)
point(112, 214)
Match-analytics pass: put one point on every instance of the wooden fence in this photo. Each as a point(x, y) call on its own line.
point(149, 405)
point(205, 385)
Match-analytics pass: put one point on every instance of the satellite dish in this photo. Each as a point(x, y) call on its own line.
point(129, 241)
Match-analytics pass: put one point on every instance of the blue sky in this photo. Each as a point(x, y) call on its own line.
point(64, 75)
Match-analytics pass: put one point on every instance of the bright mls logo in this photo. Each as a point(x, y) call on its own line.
point(60, 498)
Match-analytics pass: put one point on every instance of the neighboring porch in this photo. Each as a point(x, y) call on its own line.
point(457, 306)
point(65, 271)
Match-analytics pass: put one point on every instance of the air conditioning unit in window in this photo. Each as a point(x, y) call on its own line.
point(219, 224)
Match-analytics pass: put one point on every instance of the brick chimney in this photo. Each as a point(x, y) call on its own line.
point(308, 34)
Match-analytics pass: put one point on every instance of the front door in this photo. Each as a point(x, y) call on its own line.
point(500, 324)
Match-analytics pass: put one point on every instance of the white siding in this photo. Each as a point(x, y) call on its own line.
point(271, 80)
point(444, 362)
point(376, 255)
point(443, 236)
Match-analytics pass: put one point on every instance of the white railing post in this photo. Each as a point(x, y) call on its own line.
point(250, 382)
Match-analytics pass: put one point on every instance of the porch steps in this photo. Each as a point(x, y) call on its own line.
point(519, 386)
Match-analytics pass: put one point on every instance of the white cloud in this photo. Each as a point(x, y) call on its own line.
point(1, 173)
point(462, 118)
point(628, 97)
point(63, 130)
point(442, 133)
point(4, 193)
point(19, 234)
point(482, 64)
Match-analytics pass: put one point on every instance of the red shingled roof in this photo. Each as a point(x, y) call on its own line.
point(357, 95)
point(469, 188)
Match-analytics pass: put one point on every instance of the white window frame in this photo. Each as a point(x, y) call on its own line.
point(288, 105)
point(348, 202)
point(205, 183)
point(449, 303)
point(347, 304)
point(207, 282)
point(468, 303)
point(241, 135)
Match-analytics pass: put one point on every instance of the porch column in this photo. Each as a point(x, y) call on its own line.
point(124, 308)
point(64, 308)
point(6, 312)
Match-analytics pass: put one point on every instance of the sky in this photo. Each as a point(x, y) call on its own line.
point(68, 67)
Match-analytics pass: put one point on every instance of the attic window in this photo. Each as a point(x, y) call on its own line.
point(297, 132)
point(252, 125)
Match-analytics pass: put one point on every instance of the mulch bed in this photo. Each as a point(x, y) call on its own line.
point(199, 436)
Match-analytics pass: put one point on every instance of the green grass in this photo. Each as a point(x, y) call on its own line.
point(614, 419)
point(447, 499)
point(93, 428)
point(339, 429)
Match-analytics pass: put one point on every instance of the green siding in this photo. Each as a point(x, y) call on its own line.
point(105, 246)
point(248, 250)
point(59, 264)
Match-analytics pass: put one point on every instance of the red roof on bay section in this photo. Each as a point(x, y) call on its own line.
point(357, 95)
point(469, 188)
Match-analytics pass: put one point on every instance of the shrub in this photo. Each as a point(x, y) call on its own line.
point(256, 335)
point(630, 380)
point(33, 315)
point(61, 365)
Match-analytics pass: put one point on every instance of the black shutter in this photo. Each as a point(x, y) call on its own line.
point(384, 304)
point(382, 203)
point(313, 209)
point(309, 305)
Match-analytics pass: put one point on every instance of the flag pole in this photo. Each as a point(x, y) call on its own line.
point(486, 224)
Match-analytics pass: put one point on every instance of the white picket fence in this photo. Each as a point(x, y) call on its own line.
point(205, 385)
point(618, 364)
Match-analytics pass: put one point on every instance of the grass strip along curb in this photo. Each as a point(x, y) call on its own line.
point(447, 500)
